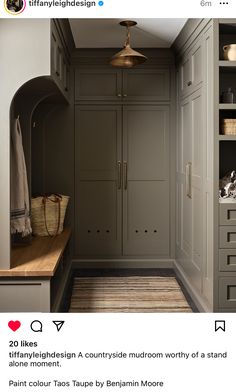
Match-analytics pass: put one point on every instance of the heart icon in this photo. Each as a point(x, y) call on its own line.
point(14, 325)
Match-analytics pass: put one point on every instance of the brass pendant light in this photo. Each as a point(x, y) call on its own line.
point(127, 57)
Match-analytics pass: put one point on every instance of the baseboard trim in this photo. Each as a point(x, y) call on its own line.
point(199, 302)
point(122, 263)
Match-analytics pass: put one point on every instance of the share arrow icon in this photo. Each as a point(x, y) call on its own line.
point(58, 324)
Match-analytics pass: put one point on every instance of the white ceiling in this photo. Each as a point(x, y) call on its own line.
point(107, 33)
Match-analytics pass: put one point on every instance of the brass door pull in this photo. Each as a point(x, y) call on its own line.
point(188, 179)
point(125, 175)
point(119, 174)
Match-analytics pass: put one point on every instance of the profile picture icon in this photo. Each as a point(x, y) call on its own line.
point(15, 7)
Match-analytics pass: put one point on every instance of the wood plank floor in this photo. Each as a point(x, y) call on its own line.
point(132, 294)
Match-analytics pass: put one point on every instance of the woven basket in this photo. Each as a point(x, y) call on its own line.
point(229, 126)
point(48, 214)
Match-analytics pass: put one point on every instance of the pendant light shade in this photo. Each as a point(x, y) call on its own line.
point(127, 57)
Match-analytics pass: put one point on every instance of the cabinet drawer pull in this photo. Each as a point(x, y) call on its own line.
point(125, 175)
point(190, 83)
point(119, 174)
point(188, 174)
point(119, 95)
point(124, 95)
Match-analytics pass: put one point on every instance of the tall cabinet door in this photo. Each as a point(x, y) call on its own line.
point(189, 187)
point(146, 199)
point(197, 186)
point(98, 180)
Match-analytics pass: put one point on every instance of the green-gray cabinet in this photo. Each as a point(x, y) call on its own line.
point(190, 219)
point(59, 60)
point(122, 180)
point(191, 69)
point(98, 199)
point(122, 85)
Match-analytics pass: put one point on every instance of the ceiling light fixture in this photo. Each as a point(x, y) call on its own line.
point(127, 57)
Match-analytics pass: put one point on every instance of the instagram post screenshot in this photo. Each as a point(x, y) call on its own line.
point(117, 195)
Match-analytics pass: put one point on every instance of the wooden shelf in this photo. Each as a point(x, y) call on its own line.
point(40, 258)
point(227, 137)
point(227, 201)
point(227, 64)
point(227, 106)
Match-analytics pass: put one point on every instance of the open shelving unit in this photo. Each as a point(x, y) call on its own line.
point(226, 232)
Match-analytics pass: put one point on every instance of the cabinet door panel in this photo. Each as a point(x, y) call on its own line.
point(191, 69)
point(98, 218)
point(147, 143)
point(153, 85)
point(196, 64)
point(197, 181)
point(146, 230)
point(146, 199)
point(186, 204)
point(59, 64)
point(185, 75)
point(191, 204)
point(98, 199)
point(95, 84)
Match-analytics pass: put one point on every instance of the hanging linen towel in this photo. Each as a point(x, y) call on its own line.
point(20, 216)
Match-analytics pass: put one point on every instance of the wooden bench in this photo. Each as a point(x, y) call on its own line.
point(37, 277)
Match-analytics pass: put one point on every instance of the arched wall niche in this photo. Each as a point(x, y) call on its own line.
point(44, 113)
point(18, 65)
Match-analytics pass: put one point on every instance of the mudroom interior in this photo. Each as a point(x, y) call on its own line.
point(118, 168)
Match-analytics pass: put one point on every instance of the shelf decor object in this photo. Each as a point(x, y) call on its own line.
point(230, 52)
point(227, 96)
point(229, 126)
point(127, 57)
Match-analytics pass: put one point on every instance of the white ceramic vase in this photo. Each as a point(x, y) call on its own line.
point(230, 52)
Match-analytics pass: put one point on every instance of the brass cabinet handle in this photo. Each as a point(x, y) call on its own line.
point(190, 83)
point(188, 174)
point(125, 175)
point(124, 95)
point(119, 174)
point(119, 95)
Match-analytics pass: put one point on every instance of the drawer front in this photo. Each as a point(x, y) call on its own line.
point(228, 214)
point(227, 260)
point(227, 292)
point(18, 296)
point(227, 236)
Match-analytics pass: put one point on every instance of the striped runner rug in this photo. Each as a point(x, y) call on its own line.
point(127, 294)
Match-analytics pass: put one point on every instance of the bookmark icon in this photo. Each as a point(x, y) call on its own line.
point(58, 324)
point(220, 325)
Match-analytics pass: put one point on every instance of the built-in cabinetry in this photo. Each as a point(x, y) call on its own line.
point(226, 268)
point(38, 276)
point(206, 227)
point(191, 69)
point(117, 85)
point(123, 183)
point(112, 150)
point(123, 180)
point(60, 69)
point(194, 215)
point(33, 274)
